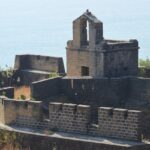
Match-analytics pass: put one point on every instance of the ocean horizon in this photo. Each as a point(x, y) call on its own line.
point(43, 27)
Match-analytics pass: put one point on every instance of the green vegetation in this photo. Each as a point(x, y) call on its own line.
point(5, 74)
point(22, 97)
point(144, 63)
point(53, 75)
point(144, 67)
point(8, 139)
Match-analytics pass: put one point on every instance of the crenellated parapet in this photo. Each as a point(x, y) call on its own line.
point(67, 117)
point(121, 123)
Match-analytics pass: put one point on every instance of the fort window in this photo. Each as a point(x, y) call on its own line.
point(84, 71)
point(84, 32)
point(88, 31)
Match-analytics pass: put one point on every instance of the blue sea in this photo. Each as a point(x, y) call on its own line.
point(44, 26)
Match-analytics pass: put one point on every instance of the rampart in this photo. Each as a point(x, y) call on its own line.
point(114, 92)
point(67, 117)
point(100, 92)
point(38, 62)
point(31, 68)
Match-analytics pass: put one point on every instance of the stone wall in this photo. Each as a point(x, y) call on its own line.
point(98, 92)
point(26, 77)
point(117, 92)
point(69, 117)
point(130, 93)
point(121, 59)
point(119, 123)
point(7, 91)
point(78, 58)
point(45, 88)
point(14, 109)
point(37, 62)
point(140, 91)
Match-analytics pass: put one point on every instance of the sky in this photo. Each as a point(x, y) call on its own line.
point(44, 26)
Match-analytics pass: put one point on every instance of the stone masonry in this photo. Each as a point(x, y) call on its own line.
point(121, 123)
point(11, 110)
point(67, 117)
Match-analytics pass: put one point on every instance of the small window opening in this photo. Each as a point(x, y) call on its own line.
point(85, 32)
point(84, 71)
point(88, 32)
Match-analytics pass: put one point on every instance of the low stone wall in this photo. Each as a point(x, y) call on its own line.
point(7, 91)
point(12, 109)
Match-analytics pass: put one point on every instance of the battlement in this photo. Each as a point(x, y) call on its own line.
point(39, 63)
point(119, 122)
point(68, 107)
point(67, 117)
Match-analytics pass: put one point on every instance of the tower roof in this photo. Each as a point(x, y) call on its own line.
point(89, 16)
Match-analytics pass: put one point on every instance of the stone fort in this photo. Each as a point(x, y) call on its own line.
point(100, 103)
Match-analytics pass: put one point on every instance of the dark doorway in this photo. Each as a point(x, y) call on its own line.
point(84, 71)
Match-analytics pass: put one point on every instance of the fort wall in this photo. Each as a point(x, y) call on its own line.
point(46, 88)
point(67, 117)
point(139, 90)
point(118, 59)
point(37, 62)
point(119, 123)
point(116, 92)
point(26, 77)
point(98, 92)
